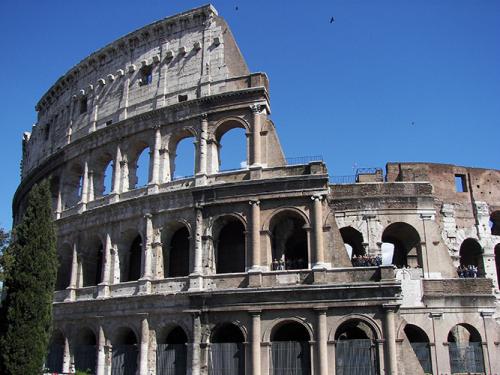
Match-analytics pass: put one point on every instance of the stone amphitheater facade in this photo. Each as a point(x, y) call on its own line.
point(270, 269)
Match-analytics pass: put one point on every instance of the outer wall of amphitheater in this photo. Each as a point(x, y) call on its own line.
point(273, 268)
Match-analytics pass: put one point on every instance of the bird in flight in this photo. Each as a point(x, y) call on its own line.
point(332, 20)
point(236, 7)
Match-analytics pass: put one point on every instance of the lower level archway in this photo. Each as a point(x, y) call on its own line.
point(171, 353)
point(355, 350)
point(85, 352)
point(419, 342)
point(290, 352)
point(125, 353)
point(465, 350)
point(54, 361)
point(227, 352)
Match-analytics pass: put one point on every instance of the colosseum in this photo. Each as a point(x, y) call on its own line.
point(273, 268)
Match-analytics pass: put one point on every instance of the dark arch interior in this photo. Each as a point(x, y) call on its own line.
point(57, 338)
point(64, 269)
point(354, 238)
point(495, 223)
point(291, 331)
point(406, 243)
point(86, 337)
point(178, 257)
point(497, 261)
point(125, 336)
point(415, 334)
point(289, 241)
point(92, 264)
point(73, 185)
point(227, 332)
point(133, 266)
point(471, 255)
point(174, 336)
point(463, 333)
point(354, 330)
point(230, 254)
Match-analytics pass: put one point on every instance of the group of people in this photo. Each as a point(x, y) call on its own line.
point(366, 260)
point(288, 264)
point(469, 271)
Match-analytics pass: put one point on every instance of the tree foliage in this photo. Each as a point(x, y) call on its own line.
point(30, 278)
point(4, 243)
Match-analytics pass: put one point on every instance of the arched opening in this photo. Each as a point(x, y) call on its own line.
point(353, 241)
point(406, 241)
point(233, 150)
point(495, 223)
point(171, 352)
point(64, 270)
point(183, 162)
point(290, 352)
point(420, 344)
point(55, 356)
point(355, 350)
point(73, 186)
point(235, 154)
point(465, 350)
point(103, 175)
point(55, 183)
point(139, 166)
point(230, 245)
point(176, 253)
point(471, 259)
point(497, 262)
point(289, 241)
point(85, 351)
point(227, 353)
point(130, 259)
point(125, 353)
point(91, 263)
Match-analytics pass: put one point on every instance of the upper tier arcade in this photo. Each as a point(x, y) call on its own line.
point(179, 59)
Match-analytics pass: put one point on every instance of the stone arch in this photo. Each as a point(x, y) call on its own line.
point(55, 185)
point(130, 255)
point(103, 174)
point(125, 351)
point(289, 239)
point(497, 262)
point(406, 241)
point(139, 164)
point(171, 350)
point(495, 223)
point(354, 239)
point(176, 249)
point(73, 184)
point(220, 129)
point(471, 254)
point(465, 349)
point(91, 260)
point(276, 323)
point(227, 350)
point(228, 232)
point(420, 343)
point(177, 157)
point(55, 356)
point(85, 350)
point(65, 258)
point(357, 317)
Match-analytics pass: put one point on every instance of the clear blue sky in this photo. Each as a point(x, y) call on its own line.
point(348, 90)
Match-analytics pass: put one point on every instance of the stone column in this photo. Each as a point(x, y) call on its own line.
point(319, 261)
point(256, 363)
point(59, 199)
point(155, 158)
point(148, 241)
point(165, 165)
point(116, 171)
point(195, 348)
point(255, 235)
point(85, 183)
point(143, 361)
point(124, 175)
point(390, 339)
point(256, 147)
point(106, 268)
point(101, 352)
point(322, 342)
point(202, 146)
point(66, 357)
point(196, 280)
point(74, 274)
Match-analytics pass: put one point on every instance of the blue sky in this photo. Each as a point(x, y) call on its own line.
point(395, 80)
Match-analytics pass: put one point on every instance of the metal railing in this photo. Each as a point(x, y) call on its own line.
point(342, 180)
point(303, 159)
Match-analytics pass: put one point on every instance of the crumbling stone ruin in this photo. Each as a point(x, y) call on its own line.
point(274, 268)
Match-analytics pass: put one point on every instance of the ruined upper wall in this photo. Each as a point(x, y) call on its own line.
point(180, 58)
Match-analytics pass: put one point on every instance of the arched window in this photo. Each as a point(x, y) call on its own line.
point(406, 241)
point(420, 344)
point(85, 351)
point(183, 160)
point(471, 255)
point(227, 353)
point(130, 258)
point(497, 262)
point(230, 246)
point(103, 175)
point(289, 241)
point(64, 271)
point(125, 353)
point(465, 350)
point(91, 261)
point(55, 356)
point(290, 352)
point(353, 239)
point(355, 351)
point(55, 182)
point(495, 223)
point(139, 165)
point(73, 185)
point(171, 352)
point(176, 252)
point(233, 150)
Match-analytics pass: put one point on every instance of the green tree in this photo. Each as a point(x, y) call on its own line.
point(29, 281)
point(4, 243)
